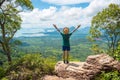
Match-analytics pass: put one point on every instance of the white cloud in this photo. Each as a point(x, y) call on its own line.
point(37, 18)
point(96, 6)
point(66, 2)
point(65, 16)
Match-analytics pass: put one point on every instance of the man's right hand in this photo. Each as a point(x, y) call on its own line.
point(78, 26)
point(54, 25)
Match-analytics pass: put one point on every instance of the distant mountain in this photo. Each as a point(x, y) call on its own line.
point(52, 31)
point(35, 32)
point(84, 30)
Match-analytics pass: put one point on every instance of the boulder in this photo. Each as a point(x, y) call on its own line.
point(48, 77)
point(93, 65)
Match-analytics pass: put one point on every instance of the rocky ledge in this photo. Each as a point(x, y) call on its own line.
point(87, 70)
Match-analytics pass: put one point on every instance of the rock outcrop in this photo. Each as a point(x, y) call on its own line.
point(84, 70)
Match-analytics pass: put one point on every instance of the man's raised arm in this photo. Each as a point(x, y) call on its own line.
point(76, 28)
point(56, 28)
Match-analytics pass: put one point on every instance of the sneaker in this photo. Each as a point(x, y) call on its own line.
point(64, 61)
point(67, 61)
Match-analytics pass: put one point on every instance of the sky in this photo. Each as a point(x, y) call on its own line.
point(63, 13)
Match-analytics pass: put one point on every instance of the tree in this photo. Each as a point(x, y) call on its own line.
point(10, 21)
point(106, 25)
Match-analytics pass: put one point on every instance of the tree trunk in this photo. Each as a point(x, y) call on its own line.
point(9, 57)
point(6, 50)
point(8, 53)
point(5, 44)
point(2, 2)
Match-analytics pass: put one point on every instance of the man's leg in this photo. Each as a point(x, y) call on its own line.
point(67, 56)
point(64, 56)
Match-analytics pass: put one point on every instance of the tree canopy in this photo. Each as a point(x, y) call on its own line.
point(10, 21)
point(106, 25)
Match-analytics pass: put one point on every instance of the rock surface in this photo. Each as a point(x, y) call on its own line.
point(84, 70)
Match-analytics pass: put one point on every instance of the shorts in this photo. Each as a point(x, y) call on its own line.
point(66, 48)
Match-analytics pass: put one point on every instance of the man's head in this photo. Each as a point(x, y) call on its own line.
point(66, 30)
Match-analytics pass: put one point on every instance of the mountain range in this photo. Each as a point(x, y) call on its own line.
point(36, 32)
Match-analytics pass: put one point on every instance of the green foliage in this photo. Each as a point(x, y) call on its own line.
point(106, 25)
point(2, 72)
point(29, 67)
point(117, 53)
point(4, 79)
point(113, 75)
point(25, 4)
point(10, 22)
point(96, 49)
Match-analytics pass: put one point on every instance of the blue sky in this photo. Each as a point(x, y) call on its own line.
point(42, 5)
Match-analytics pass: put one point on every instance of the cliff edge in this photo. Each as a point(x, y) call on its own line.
point(87, 70)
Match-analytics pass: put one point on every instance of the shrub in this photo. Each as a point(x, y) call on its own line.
point(117, 53)
point(2, 72)
point(30, 67)
point(112, 75)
